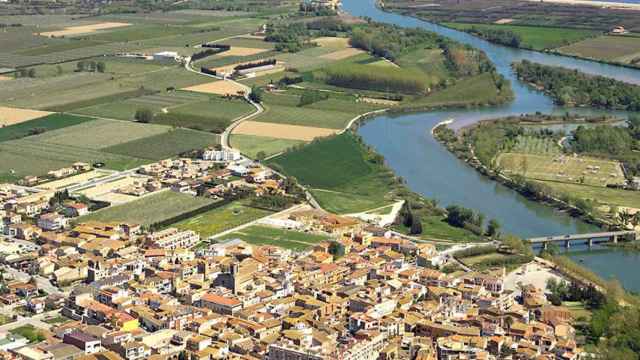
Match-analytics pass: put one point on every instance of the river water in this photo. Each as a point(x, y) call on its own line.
point(411, 151)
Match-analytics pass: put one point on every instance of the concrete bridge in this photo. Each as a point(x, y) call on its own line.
point(589, 238)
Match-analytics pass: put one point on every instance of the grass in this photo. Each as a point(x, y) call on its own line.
point(480, 89)
point(56, 320)
point(221, 219)
point(50, 122)
point(304, 116)
point(29, 332)
point(577, 309)
point(492, 260)
point(340, 172)
point(251, 145)
point(165, 145)
point(101, 133)
point(622, 49)
point(262, 235)
point(601, 195)
point(435, 228)
point(565, 169)
point(428, 61)
point(536, 37)
point(149, 209)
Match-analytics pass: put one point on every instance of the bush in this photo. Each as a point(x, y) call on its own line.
point(383, 79)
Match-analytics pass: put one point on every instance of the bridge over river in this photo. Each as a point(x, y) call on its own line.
point(590, 238)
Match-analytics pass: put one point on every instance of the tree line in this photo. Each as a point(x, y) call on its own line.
point(387, 79)
point(389, 41)
point(498, 36)
point(570, 87)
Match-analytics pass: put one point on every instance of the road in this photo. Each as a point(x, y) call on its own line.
point(35, 321)
point(42, 282)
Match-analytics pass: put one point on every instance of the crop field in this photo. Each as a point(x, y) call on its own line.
point(428, 61)
point(219, 87)
point(479, 89)
point(336, 43)
point(263, 235)
point(535, 145)
point(47, 123)
point(12, 116)
point(149, 209)
point(623, 49)
point(537, 37)
point(241, 51)
point(341, 178)
point(342, 54)
point(165, 145)
point(101, 133)
point(282, 131)
point(563, 168)
point(251, 145)
point(215, 107)
point(83, 29)
point(248, 43)
point(304, 116)
point(221, 219)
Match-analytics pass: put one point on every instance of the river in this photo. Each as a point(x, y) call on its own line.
point(429, 169)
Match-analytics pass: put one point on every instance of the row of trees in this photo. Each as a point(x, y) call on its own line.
point(386, 79)
point(309, 97)
point(410, 219)
point(575, 88)
point(498, 36)
point(91, 66)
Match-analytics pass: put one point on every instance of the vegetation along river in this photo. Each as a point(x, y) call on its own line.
point(413, 153)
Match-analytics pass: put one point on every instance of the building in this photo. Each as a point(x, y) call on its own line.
point(173, 238)
point(221, 155)
point(84, 341)
point(220, 304)
point(52, 222)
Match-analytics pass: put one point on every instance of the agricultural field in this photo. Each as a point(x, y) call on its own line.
point(11, 116)
point(537, 37)
point(218, 87)
point(623, 49)
point(263, 235)
point(480, 89)
point(252, 145)
point(164, 145)
point(342, 177)
point(599, 194)
point(536, 145)
point(221, 219)
point(47, 123)
point(435, 228)
point(282, 131)
point(150, 209)
point(562, 168)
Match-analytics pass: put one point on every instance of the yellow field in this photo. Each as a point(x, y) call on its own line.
point(71, 180)
point(84, 29)
point(342, 54)
point(219, 87)
point(332, 42)
point(115, 198)
point(562, 168)
point(5, 78)
point(10, 116)
point(282, 131)
point(241, 51)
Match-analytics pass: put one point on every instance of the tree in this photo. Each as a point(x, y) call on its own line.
point(32, 73)
point(81, 65)
point(261, 155)
point(144, 115)
point(59, 70)
point(256, 94)
point(416, 225)
point(493, 228)
point(101, 67)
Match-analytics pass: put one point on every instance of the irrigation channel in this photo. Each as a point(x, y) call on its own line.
point(411, 151)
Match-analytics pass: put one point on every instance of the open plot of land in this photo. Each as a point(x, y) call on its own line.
point(241, 51)
point(479, 89)
point(332, 42)
point(101, 133)
point(11, 116)
point(165, 145)
point(251, 145)
point(342, 54)
point(222, 218)
point(247, 42)
point(263, 235)
point(71, 180)
point(283, 131)
point(149, 209)
point(220, 87)
point(612, 48)
point(51, 122)
point(84, 29)
point(341, 178)
point(95, 192)
point(305, 116)
point(5, 78)
point(588, 171)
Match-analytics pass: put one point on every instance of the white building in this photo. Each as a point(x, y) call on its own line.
point(173, 238)
point(221, 155)
point(52, 222)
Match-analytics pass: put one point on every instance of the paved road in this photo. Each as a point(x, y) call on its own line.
point(42, 282)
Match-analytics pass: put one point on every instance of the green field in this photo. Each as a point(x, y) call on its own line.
point(50, 122)
point(598, 194)
point(480, 89)
point(150, 209)
point(165, 145)
point(536, 37)
point(562, 168)
point(436, 228)
point(622, 49)
point(251, 145)
point(221, 219)
point(263, 235)
point(578, 310)
point(341, 176)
